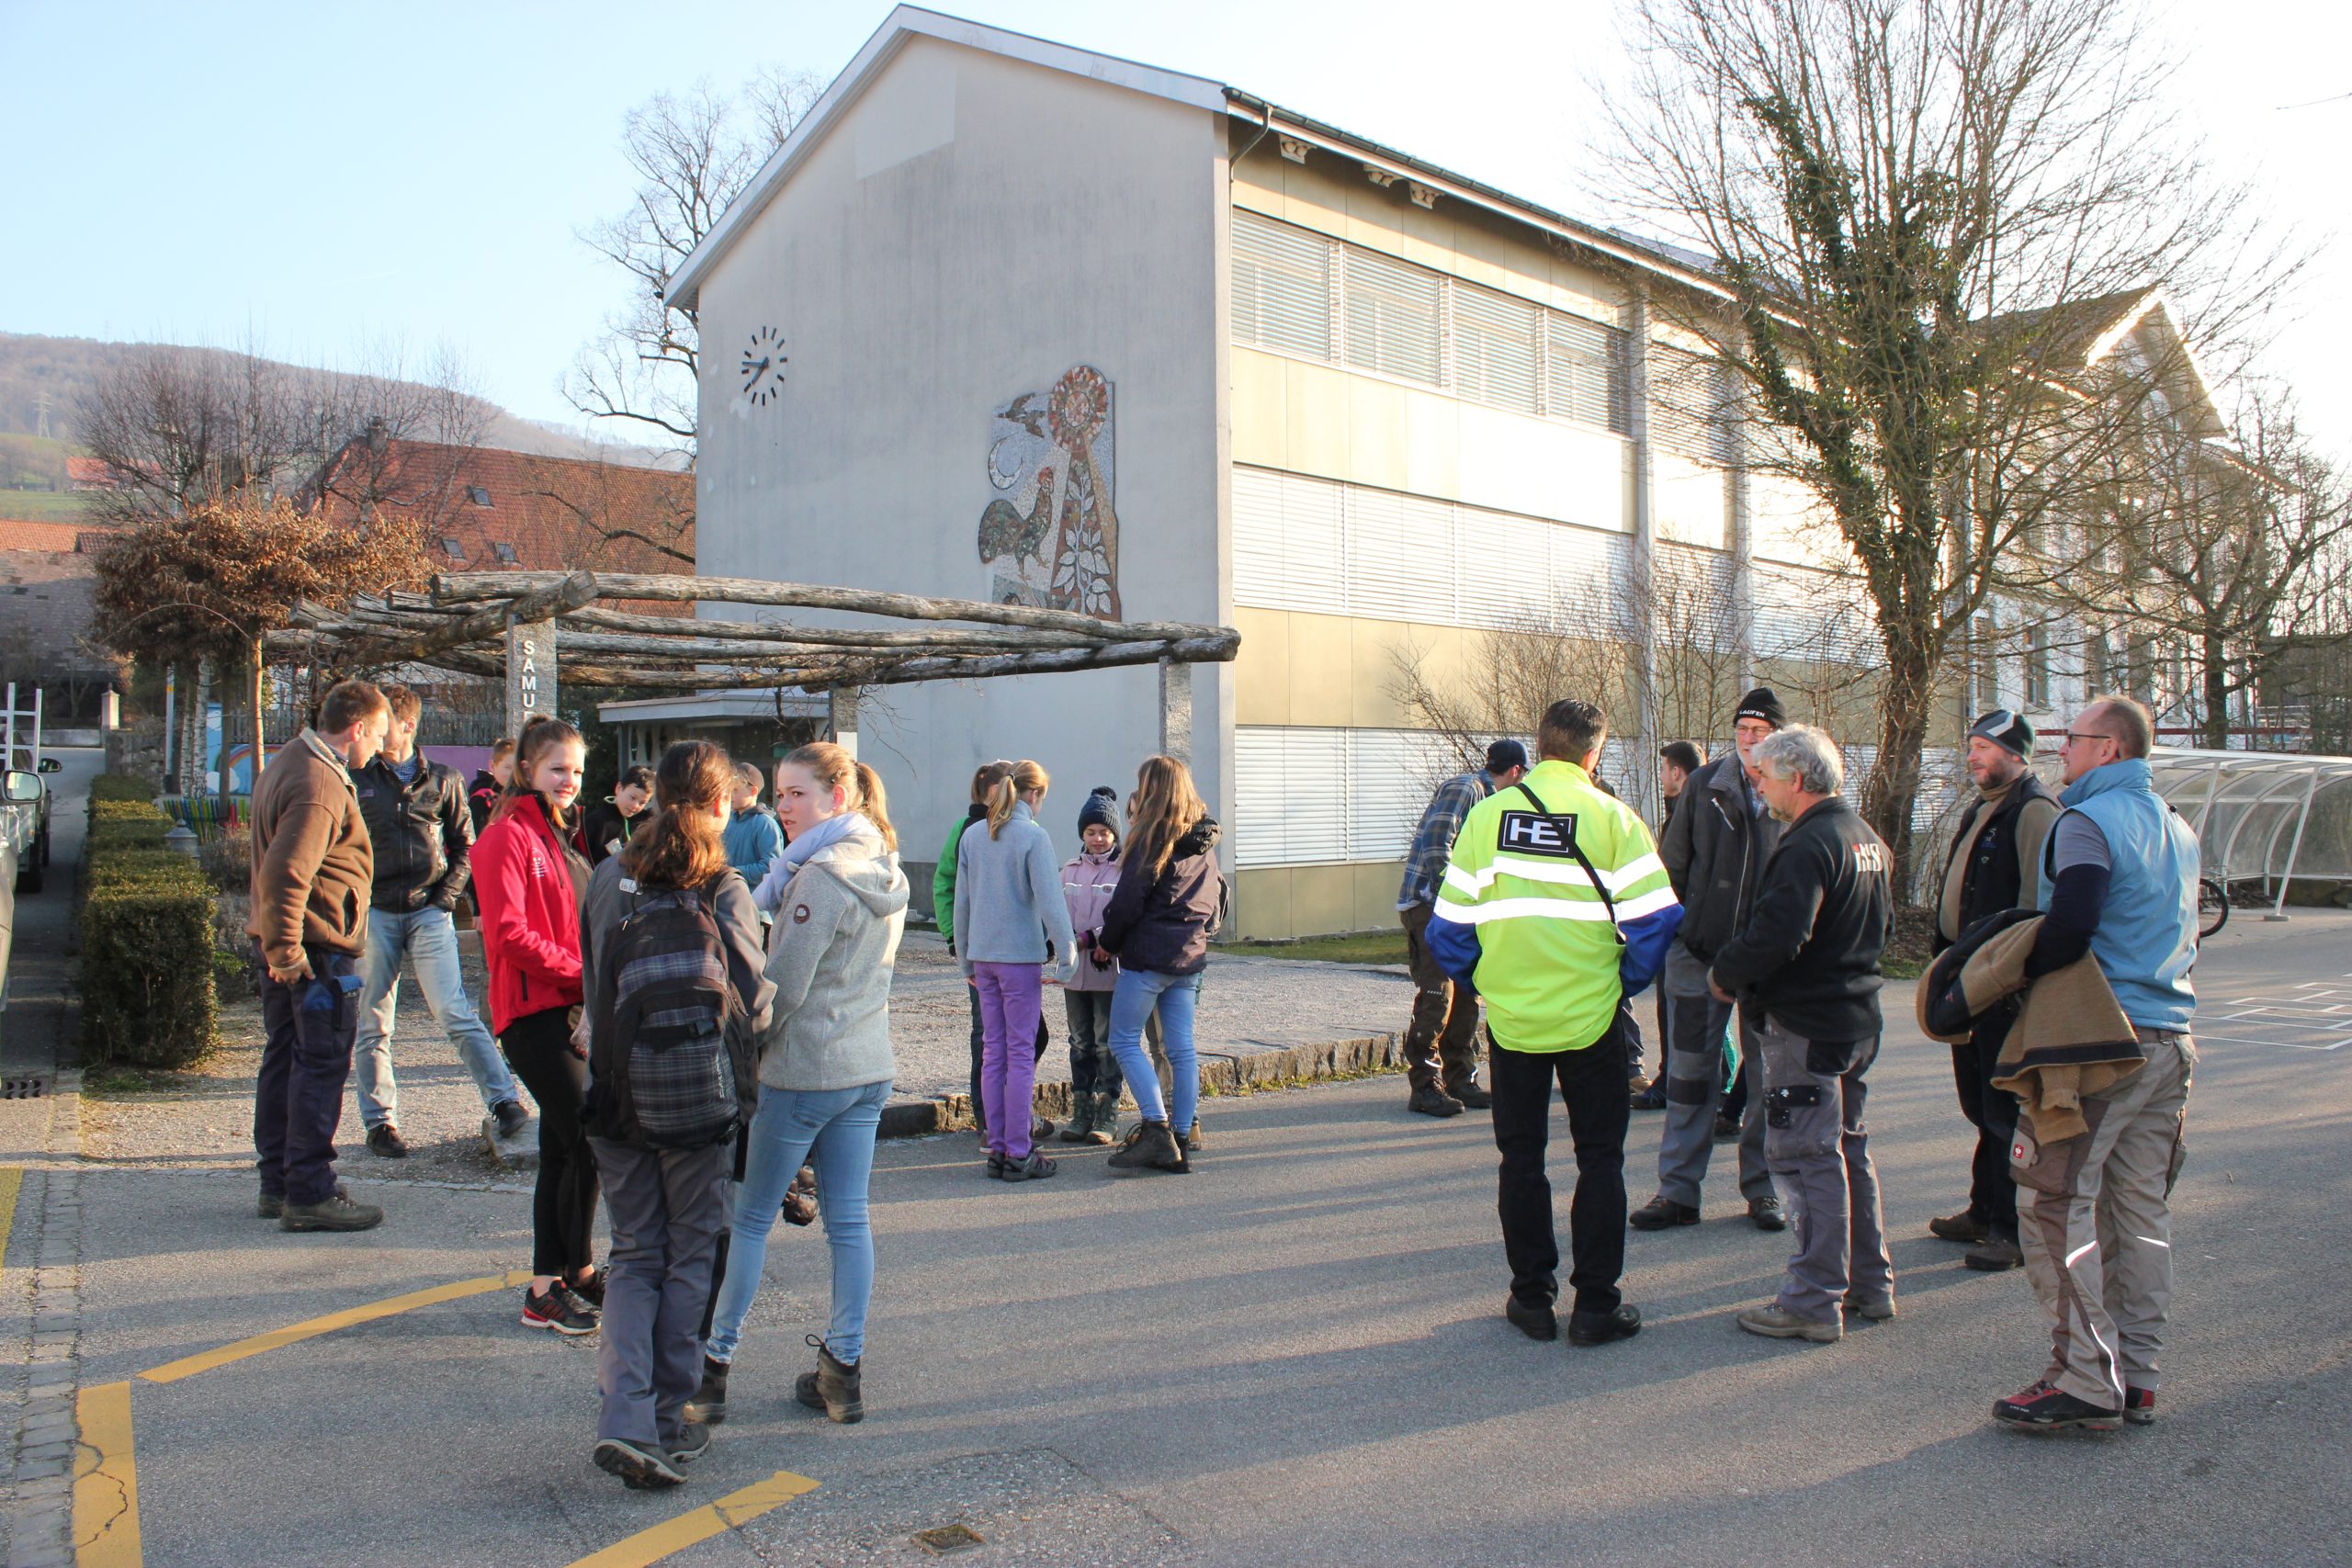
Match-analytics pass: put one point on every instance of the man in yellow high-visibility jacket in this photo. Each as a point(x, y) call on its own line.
point(1557, 907)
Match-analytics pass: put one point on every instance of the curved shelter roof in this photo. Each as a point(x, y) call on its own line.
point(2274, 815)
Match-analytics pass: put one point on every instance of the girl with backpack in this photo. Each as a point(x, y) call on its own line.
point(671, 962)
point(825, 1062)
point(530, 872)
point(1170, 896)
point(1012, 919)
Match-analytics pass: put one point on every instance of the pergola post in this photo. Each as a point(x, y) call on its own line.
point(530, 671)
point(1176, 710)
point(840, 717)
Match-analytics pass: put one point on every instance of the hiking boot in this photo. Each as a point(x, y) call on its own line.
point(1034, 1166)
point(1874, 1312)
point(641, 1469)
point(1994, 1254)
point(2140, 1407)
point(1471, 1096)
point(800, 1198)
point(510, 1116)
point(832, 1387)
point(1660, 1213)
point(1589, 1328)
point(273, 1204)
point(1151, 1147)
point(1964, 1227)
point(1434, 1103)
point(1726, 1128)
point(1767, 1214)
point(1774, 1323)
point(558, 1309)
point(1078, 1129)
point(693, 1441)
point(337, 1213)
point(2044, 1408)
point(710, 1402)
point(1652, 1098)
point(1535, 1319)
point(385, 1142)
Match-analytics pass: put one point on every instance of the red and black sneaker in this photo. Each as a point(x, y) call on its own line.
point(558, 1309)
point(2140, 1407)
point(2044, 1408)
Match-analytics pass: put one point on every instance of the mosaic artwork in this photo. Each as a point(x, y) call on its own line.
point(1051, 534)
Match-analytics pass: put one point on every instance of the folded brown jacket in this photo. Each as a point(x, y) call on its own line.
point(2070, 1038)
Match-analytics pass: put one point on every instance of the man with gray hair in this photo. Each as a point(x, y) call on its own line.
point(1806, 965)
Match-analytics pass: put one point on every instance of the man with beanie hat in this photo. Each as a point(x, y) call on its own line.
point(1714, 849)
point(1995, 865)
point(1442, 1036)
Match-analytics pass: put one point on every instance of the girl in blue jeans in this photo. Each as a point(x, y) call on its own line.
point(825, 1062)
point(1169, 898)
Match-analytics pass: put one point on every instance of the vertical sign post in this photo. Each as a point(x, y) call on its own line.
point(1176, 710)
point(840, 704)
point(530, 672)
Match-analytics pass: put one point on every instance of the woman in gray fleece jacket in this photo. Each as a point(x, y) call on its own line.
point(825, 1058)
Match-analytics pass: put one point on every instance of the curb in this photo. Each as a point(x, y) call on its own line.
point(1222, 1073)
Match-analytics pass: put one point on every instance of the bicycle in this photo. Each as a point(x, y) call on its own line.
point(2212, 907)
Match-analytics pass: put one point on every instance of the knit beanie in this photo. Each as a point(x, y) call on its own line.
point(2006, 729)
point(1103, 808)
point(1764, 704)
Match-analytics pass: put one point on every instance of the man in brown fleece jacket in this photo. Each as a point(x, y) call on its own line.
point(314, 869)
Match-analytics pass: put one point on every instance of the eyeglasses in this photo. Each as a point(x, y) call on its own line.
point(2074, 735)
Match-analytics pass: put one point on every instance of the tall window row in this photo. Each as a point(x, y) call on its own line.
point(1302, 294)
point(1318, 545)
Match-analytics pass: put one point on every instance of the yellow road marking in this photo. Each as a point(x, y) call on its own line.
point(106, 1480)
point(712, 1519)
point(12, 1181)
point(310, 1328)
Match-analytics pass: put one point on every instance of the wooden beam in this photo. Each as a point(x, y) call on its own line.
point(951, 639)
point(1217, 649)
point(543, 603)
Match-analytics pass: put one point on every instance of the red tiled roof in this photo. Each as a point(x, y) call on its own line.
point(89, 472)
point(17, 533)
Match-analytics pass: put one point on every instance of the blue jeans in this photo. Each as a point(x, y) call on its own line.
point(1142, 992)
point(832, 1129)
point(428, 937)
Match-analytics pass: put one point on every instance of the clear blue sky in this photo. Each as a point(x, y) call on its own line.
point(328, 178)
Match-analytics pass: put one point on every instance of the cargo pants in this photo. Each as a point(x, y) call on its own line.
point(1694, 1085)
point(1819, 1147)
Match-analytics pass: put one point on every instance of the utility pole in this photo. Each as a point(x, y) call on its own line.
point(40, 414)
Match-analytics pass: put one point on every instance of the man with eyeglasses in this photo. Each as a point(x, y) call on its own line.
point(1995, 865)
point(2093, 1211)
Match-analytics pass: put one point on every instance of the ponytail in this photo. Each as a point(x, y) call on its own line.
point(873, 806)
point(1023, 777)
point(682, 848)
point(861, 786)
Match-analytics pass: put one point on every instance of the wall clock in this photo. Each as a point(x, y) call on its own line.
point(762, 372)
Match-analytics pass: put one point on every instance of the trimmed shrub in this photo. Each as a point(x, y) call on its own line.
point(121, 786)
point(147, 951)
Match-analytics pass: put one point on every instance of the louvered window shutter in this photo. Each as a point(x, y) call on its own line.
point(1497, 340)
point(1395, 317)
point(1282, 288)
point(1586, 375)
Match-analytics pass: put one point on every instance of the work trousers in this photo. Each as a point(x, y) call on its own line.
point(1696, 1026)
point(1819, 1151)
point(1592, 1085)
point(563, 1202)
point(305, 1057)
point(667, 1209)
point(1992, 1189)
point(2095, 1222)
point(1441, 1039)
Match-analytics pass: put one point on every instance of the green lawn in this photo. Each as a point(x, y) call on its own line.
point(1361, 947)
point(44, 505)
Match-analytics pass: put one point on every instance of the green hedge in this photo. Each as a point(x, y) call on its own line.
point(120, 786)
point(147, 916)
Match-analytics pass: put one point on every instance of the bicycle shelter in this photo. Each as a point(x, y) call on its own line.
point(2272, 815)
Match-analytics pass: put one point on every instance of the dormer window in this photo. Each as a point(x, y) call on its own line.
point(453, 549)
point(478, 494)
point(505, 553)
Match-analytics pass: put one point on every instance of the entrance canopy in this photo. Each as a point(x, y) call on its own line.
point(2266, 816)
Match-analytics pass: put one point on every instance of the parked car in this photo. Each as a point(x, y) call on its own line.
point(28, 798)
point(21, 818)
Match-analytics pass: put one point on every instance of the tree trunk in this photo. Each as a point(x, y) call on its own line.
point(255, 683)
point(2216, 725)
point(201, 710)
point(1907, 706)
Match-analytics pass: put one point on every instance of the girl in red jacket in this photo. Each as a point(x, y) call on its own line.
point(531, 872)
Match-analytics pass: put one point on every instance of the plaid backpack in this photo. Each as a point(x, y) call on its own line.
point(674, 1011)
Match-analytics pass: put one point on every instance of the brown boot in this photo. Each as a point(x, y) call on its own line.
point(832, 1387)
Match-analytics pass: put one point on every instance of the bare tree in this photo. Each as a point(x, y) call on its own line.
point(693, 155)
point(1506, 679)
point(1924, 227)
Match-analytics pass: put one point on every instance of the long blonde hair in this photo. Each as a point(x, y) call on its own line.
point(1166, 807)
point(860, 786)
point(1019, 780)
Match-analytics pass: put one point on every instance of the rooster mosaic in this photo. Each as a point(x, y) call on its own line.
point(1055, 544)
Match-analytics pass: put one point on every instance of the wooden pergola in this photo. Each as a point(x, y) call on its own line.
point(519, 625)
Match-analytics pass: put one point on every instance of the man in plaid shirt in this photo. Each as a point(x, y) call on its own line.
point(1440, 1050)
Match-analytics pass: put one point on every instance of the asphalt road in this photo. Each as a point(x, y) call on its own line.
point(1292, 1357)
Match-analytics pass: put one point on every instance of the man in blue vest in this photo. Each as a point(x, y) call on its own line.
point(2095, 1223)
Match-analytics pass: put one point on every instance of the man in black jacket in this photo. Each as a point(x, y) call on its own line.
point(1995, 864)
point(1806, 966)
point(1714, 848)
point(423, 831)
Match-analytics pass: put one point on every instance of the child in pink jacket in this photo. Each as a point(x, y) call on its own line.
point(1087, 882)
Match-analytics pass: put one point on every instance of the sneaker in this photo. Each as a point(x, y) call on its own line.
point(1726, 1129)
point(1964, 1227)
point(2140, 1407)
point(2044, 1408)
point(386, 1143)
point(1590, 1328)
point(1434, 1103)
point(1535, 1319)
point(338, 1212)
point(1472, 1097)
point(559, 1309)
point(1151, 1147)
point(1652, 1098)
point(1874, 1312)
point(1993, 1254)
point(642, 1469)
point(590, 1292)
point(1034, 1166)
point(1767, 1214)
point(1772, 1322)
point(835, 1387)
point(510, 1117)
point(996, 1166)
point(1040, 1129)
point(693, 1441)
point(1660, 1213)
point(710, 1402)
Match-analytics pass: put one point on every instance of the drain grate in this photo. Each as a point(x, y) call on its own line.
point(23, 1088)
